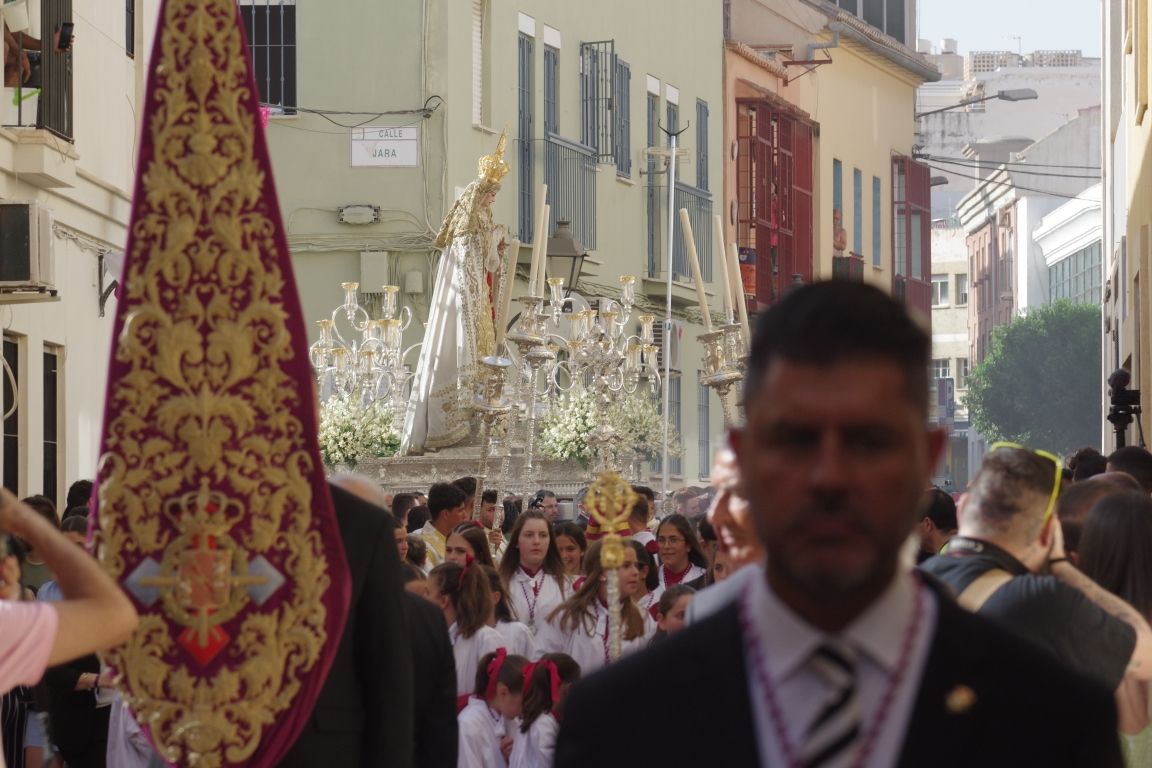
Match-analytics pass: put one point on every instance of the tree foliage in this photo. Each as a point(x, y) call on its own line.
point(1040, 383)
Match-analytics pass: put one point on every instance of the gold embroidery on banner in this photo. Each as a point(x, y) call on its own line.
point(206, 407)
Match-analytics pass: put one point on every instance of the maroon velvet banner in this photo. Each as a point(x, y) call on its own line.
point(213, 510)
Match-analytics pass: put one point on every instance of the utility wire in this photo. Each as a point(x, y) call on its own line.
point(1017, 170)
point(1033, 165)
point(1005, 183)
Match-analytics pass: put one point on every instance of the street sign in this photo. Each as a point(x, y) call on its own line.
point(385, 147)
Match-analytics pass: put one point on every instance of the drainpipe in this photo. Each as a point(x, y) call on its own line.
point(836, 27)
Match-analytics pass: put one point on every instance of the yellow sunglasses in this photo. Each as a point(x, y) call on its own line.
point(1059, 473)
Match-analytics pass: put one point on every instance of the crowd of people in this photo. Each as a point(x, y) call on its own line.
point(816, 606)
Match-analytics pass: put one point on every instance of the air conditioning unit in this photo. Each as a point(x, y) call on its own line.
point(26, 261)
point(673, 346)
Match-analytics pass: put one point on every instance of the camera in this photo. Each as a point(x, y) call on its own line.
point(1125, 404)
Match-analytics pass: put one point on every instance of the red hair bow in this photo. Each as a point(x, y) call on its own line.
point(553, 674)
point(468, 560)
point(494, 668)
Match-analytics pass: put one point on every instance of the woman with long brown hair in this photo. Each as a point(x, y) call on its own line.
point(463, 595)
point(579, 626)
point(682, 559)
point(532, 569)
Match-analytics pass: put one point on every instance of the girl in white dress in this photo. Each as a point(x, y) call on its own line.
point(489, 719)
point(546, 685)
point(517, 638)
point(579, 626)
point(646, 597)
point(682, 560)
point(532, 568)
point(468, 540)
point(462, 593)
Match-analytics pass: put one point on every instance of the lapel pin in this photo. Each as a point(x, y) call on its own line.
point(959, 700)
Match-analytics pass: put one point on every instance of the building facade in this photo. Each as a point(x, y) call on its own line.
point(67, 156)
point(820, 178)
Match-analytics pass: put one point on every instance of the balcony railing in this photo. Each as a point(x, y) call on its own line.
point(849, 267)
point(570, 173)
point(915, 294)
point(699, 205)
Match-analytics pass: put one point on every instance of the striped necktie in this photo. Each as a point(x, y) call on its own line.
point(833, 738)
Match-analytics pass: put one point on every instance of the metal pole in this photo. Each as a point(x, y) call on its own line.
point(664, 481)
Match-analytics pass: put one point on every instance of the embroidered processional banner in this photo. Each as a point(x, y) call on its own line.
point(213, 511)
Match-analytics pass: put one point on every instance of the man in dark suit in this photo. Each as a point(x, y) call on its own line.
point(838, 654)
point(363, 716)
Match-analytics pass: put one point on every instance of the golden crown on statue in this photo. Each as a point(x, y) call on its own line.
point(492, 167)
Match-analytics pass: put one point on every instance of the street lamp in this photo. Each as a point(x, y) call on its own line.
point(1012, 94)
point(565, 255)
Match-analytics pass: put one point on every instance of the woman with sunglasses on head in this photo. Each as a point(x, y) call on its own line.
point(579, 626)
point(533, 571)
point(462, 593)
point(682, 561)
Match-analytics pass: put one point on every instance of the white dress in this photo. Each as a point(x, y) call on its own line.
point(535, 748)
point(481, 730)
point(518, 639)
point(587, 643)
point(694, 572)
point(468, 651)
point(533, 598)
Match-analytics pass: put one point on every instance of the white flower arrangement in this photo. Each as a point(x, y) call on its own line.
point(350, 432)
point(566, 428)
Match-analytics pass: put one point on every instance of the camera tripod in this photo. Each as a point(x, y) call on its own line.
point(1121, 416)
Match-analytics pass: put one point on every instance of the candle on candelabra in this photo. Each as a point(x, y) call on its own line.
point(506, 284)
point(547, 216)
point(738, 286)
point(540, 232)
point(718, 231)
point(694, 262)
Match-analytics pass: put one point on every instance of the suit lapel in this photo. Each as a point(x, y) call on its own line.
point(947, 705)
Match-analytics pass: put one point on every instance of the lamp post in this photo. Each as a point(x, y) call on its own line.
point(565, 255)
point(1012, 94)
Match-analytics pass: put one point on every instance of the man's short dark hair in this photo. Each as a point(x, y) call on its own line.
point(640, 510)
point(1086, 463)
point(941, 510)
point(646, 492)
point(488, 497)
point(1007, 486)
point(417, 516)
point(79, 493)
point(444, 496)
point(837, 321)
point(466, 484)
point(1136, 461)
point(45, 508)
point(1078, 499)
point(401, 503)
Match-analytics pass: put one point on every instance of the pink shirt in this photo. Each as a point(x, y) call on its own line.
point(27, 634)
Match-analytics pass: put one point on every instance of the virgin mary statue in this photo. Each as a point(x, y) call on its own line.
point(460, 328)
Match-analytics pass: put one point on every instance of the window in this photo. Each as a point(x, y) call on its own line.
point(551, 83)
point(837, 187)
point(653, 188)
point(876, 221)
point(623, 142)
point(961, 373)
point(479, 56)
point(271, 29)
point(703, 429)
point(961, 290)
point(911, 233)
point(886, 15)
point(527, 128)
point(51, 421)
point(11, 355)
point(701, 144)
point(939, 290)
point(940, 368)
point(857, 212)
point(130, 28)
point(54, 111)
point(773, 196)
point(598, 70)
point(1077, 277)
